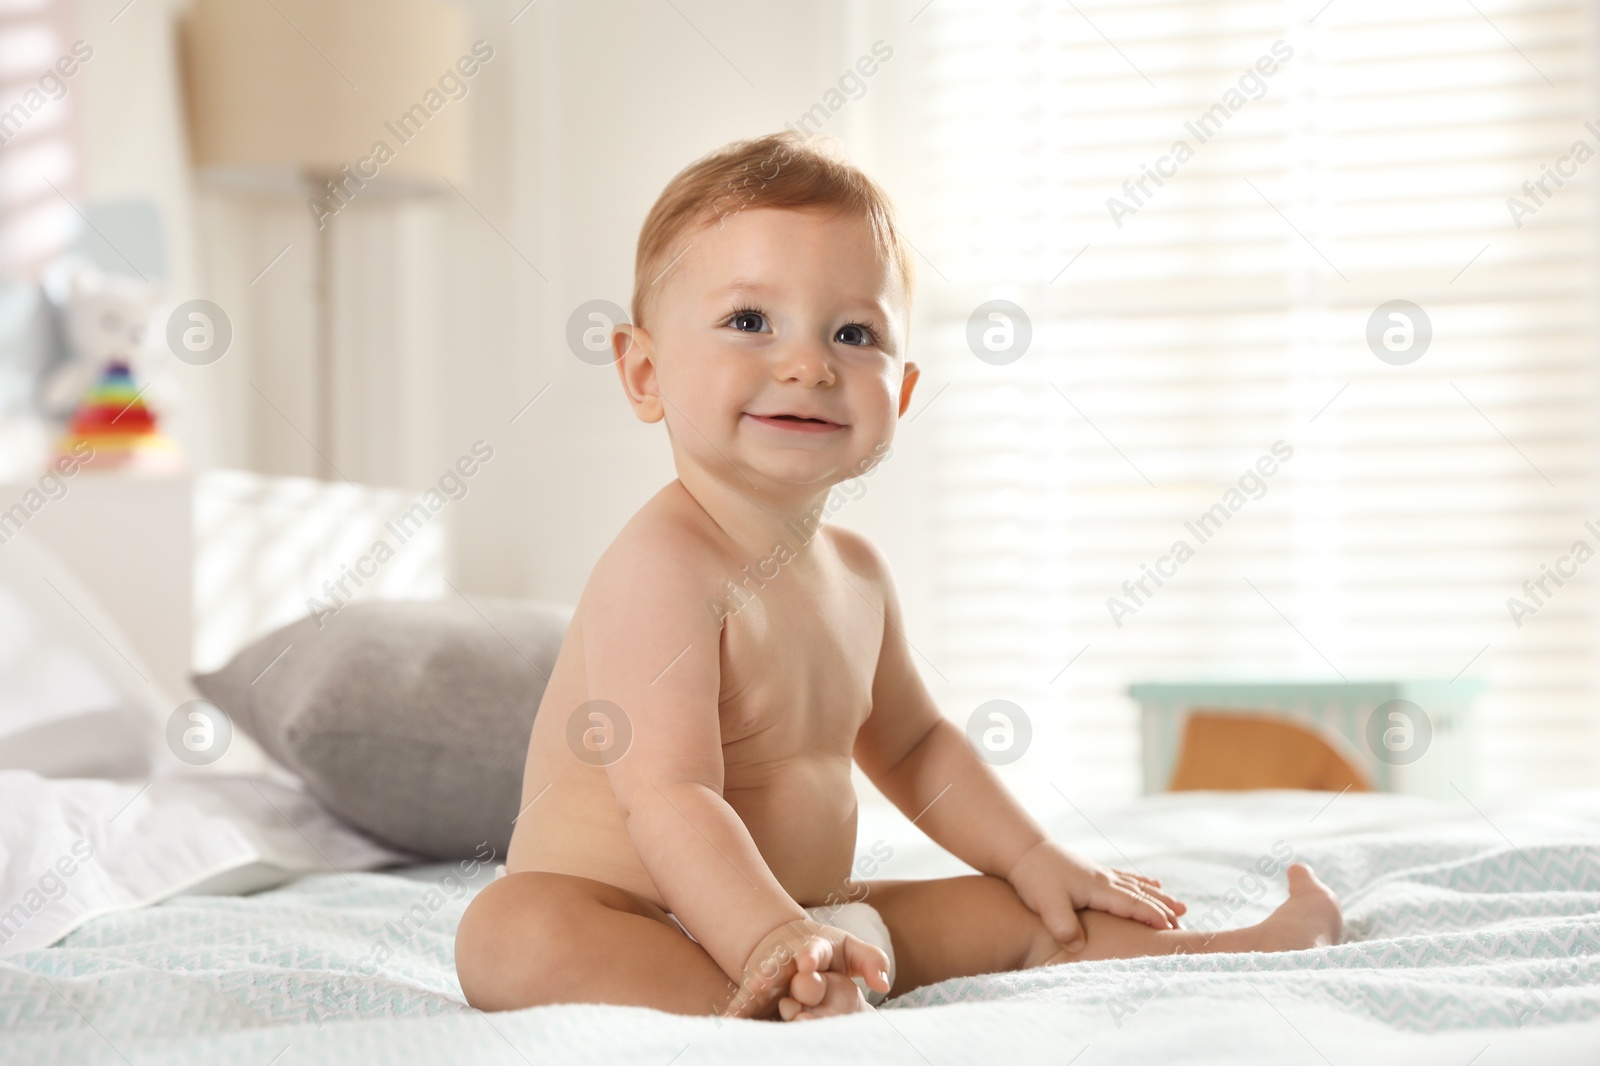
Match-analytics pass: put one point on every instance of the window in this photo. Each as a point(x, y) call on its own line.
point(1190, 307)
point(36, 135)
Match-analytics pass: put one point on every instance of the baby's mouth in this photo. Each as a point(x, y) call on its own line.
point(796, 423)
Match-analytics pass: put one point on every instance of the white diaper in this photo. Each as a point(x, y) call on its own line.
point(860, 920)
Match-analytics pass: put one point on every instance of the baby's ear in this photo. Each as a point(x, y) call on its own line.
point(907, 383)
point(621, 340)
point(635, 360)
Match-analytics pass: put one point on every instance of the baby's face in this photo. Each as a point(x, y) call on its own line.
point(776, 344)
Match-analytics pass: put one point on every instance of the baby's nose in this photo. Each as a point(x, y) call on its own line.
point(808, 364)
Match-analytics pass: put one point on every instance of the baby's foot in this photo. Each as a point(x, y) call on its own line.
point(1309, 918)
point(820, 995)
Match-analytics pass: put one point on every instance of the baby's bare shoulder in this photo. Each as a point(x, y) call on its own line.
point(646, 636)
point(665, 557)
point(860, 555)
point(869, 575)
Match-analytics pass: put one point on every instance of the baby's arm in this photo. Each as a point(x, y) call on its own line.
point(918, 757)
point(922, 762)
point(646, 614)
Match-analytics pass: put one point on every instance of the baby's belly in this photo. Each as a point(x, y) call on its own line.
point(800, 813)
point(802, 816)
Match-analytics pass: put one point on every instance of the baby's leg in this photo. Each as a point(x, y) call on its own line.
point(961, 926)
point(535, 938)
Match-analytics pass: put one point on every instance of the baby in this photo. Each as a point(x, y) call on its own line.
point(688, 819)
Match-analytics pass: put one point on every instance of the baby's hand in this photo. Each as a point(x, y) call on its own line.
point(805, 947)
point(821, 995)
point(1055, 884)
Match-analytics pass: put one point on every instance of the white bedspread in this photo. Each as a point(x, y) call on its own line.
point(1473, 936)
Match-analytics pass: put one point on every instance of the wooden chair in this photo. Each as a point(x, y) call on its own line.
point(1232, 751)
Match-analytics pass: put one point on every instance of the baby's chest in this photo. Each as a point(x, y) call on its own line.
point(797, 673)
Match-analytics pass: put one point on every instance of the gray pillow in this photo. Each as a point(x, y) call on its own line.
point(408, 720)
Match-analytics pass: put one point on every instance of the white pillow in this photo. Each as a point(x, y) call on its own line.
point(71, 703)
point(72, 850)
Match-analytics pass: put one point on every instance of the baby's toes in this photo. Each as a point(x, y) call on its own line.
point(806, 991)
point(841, 997)
point(808, 988)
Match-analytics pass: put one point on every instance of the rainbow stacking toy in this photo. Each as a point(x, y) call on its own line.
point(118, 428)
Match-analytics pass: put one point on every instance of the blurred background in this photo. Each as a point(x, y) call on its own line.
point(1322, 272)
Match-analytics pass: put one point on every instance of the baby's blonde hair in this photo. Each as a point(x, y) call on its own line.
point(779, 170)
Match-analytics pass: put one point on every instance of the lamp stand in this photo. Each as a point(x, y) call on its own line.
point(322, 345)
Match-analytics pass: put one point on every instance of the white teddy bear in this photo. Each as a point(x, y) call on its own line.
point(107, 317)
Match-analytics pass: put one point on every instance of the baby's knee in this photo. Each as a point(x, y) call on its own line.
point(505, 947)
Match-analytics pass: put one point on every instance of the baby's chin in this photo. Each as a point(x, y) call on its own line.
point(806, 473)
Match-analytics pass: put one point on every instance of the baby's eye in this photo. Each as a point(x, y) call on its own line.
point(856, 334)
point(748, 321)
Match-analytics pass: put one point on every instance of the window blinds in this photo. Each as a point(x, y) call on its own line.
point(1334, 158)
point(36, 138)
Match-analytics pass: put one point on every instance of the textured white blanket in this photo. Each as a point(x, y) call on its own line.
point(1473, 936)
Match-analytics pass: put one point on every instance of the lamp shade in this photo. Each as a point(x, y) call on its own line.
point(283, 89)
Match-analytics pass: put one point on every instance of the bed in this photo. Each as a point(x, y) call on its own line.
point(1472, 936)
point(229, 918)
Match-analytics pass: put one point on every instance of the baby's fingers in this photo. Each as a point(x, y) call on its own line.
point(867, 962)
point(815, 954)
point(1148, 908)
point(1152, 887)
point(1130, 902)
point(1062, 921)
point(1177, 907)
